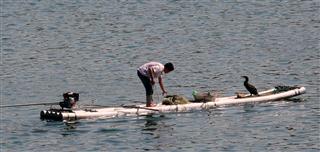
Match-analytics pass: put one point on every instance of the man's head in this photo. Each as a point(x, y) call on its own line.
point(168, 67)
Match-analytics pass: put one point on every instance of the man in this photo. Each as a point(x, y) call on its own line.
point(147, 73)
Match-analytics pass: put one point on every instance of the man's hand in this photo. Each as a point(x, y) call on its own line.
point(164, 93)
point(152, 82)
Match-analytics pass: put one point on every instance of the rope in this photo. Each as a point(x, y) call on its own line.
point(29, 104)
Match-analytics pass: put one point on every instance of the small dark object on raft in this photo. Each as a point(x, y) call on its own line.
point(240, 95)
point(279, 88)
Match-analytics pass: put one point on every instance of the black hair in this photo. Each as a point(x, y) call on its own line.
point(169, 66)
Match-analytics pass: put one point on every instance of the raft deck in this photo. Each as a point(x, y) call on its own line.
point(136, 110)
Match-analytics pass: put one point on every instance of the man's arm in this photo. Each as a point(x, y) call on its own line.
point(161, 86)
point(151, 73)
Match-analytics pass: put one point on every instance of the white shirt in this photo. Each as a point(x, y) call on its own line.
point(155, 66)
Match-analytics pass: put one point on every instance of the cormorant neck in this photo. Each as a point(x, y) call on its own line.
point(246, 81)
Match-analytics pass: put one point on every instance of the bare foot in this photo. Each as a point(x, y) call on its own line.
point(151, 104)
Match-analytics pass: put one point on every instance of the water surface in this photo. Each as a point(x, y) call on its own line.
point(94, 47)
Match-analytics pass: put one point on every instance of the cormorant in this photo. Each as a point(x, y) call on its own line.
point(250, 87)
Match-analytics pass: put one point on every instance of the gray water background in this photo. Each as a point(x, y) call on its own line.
point(94, 47)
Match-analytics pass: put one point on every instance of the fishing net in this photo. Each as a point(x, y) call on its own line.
point(174, 100)
point(204, 96)
point(279, 89)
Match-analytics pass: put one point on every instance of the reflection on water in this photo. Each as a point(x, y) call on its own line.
point(296, 100)
point(71, 125)
point(155, 125)
point(151, 123)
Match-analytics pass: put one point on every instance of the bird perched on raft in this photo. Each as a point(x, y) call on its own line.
point(252, 89)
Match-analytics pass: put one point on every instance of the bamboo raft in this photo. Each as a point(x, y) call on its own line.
point(274, 94)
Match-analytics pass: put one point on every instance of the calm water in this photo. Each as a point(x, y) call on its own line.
point(94, 47)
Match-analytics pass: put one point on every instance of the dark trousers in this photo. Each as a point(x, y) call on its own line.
point(146, 83)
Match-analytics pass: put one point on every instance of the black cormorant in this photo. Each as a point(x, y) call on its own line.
point(250, 87)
